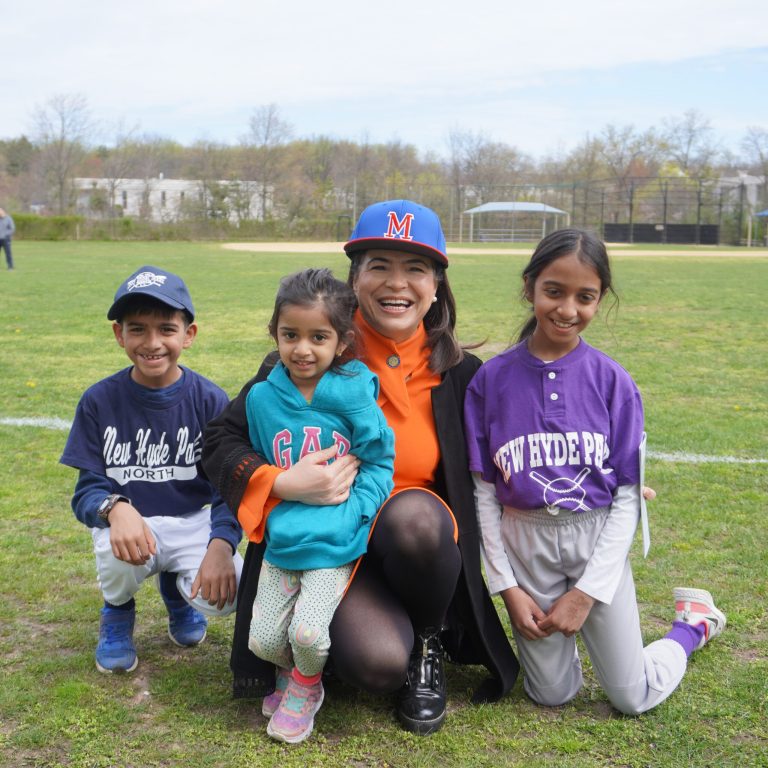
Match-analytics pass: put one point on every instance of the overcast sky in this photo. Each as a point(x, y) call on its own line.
point(540, 76)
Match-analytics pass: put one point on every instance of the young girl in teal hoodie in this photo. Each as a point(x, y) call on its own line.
point(317, 395)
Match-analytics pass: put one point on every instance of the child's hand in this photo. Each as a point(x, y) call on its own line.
point(648, 493)
point(568, 613)
point(216, 579)
point(131, 539)
point(311, 481)
point(524, 613)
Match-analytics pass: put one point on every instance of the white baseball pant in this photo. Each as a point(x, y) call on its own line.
point(548, 555)
point(181, 546)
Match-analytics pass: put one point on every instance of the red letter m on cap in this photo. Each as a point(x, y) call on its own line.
point(397, 228)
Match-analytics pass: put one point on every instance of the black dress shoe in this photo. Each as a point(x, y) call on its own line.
point(251, 687)
point(421, 701)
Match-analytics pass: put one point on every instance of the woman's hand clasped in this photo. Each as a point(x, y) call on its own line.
point(312, 481)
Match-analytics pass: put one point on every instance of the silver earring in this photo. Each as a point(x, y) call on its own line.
point(434, 299)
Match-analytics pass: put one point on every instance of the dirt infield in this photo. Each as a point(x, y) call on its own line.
point(616, 249)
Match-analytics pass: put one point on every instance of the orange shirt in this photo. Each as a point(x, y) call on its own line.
point(406, 399)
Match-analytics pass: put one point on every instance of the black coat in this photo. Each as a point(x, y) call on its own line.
point(474, 634)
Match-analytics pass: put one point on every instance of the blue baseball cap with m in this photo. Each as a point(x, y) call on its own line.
point(163, 286)
point(399, 225)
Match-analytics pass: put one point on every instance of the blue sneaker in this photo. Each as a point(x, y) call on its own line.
point(115, 651)
point(186, 626)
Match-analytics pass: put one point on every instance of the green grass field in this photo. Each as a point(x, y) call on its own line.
point(692, 331)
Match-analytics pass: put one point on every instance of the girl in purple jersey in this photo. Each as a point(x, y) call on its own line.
point(555, 433)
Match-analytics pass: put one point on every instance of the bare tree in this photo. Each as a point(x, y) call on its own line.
point(264, 150)
point(211, 166)
point(689, 143)
point(118, 162)
point(459, 142)
point(628, 156)
point(573, 181)
point(62, 130)
point(17, 181)
point(488, 166)
point(628, 153)
point(755, 147)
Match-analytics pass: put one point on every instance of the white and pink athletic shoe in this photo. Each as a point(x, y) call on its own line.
point(270, 703)
point(696, 606)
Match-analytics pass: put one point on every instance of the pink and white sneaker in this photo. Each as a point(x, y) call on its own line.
point(696, 606)
point(295, 717)
point(269, 704)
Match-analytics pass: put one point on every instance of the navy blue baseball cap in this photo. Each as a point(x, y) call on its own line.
point(151, 281)
point(399, 225)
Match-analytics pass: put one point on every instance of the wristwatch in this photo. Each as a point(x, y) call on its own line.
point(106, 506)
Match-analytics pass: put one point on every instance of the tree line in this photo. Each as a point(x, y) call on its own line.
point(324, 178)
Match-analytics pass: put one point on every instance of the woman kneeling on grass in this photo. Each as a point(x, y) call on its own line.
point(419, 587)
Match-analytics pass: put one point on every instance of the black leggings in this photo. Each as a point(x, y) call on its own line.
point(403, 585)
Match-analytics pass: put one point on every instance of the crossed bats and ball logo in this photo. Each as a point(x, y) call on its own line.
point(563, 492)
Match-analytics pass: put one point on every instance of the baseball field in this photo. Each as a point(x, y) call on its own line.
point(690, 327)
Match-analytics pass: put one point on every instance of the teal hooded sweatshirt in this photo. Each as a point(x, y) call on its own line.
point(283, 427)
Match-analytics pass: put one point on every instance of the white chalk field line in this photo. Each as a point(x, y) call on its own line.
point(698, 458)
point(43, 423)
point(680, 457)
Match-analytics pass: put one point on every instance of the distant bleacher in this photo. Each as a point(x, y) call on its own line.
point(517, 235)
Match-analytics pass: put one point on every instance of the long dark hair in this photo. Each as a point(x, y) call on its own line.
point(439, 322)
point(589, 249)
point(311, 287)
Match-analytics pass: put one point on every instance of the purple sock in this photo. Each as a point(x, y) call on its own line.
point(687, 635)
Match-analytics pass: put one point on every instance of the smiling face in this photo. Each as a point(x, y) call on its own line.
point(395, 290)
point(565, 298)
point(307, 344)
point(153, 342)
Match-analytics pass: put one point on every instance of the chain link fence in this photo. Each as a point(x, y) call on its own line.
point(634, 209)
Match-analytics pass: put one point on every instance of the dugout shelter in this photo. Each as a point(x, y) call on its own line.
point(513, 221)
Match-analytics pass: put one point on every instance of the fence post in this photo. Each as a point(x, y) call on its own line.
point(573, 202)
point(742, 194)
point(602, 213)
point(720, 215)
point(631, 211)
point(698, 214)
point(460, 213)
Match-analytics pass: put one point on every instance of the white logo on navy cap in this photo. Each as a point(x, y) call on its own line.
point(146, 280)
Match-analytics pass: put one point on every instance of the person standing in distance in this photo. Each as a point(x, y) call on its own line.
point(7, 228)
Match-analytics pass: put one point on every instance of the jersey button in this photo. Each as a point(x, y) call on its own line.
point(552, 375)
point(553, 396)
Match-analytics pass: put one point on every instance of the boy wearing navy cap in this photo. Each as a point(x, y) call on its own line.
point(136, 440)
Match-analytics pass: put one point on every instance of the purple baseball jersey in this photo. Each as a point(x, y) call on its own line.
point(564, 434)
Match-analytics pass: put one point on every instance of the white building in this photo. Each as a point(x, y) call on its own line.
point(743, 183)
point(161, 199)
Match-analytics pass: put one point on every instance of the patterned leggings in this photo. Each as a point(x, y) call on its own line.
point(291, 615)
